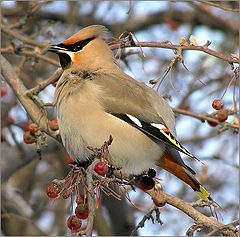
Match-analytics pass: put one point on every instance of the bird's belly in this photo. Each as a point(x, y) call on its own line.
point(130, 150)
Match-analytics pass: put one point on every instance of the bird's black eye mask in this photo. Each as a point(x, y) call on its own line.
point(77, 46)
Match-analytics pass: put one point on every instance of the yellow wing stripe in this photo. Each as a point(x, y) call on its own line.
point(176, 143)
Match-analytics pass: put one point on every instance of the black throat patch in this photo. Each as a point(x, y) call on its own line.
point(65, 60)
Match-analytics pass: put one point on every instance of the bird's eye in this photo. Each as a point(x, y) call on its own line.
point(78, 47)
point(74, 48)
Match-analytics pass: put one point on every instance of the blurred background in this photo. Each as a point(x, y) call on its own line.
point(25, 209)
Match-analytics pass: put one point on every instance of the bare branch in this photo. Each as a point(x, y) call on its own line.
point(203, 117)
point(30, 53)
point(24, 39)
point(164, 45)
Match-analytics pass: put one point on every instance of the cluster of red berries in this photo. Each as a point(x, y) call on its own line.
point(58, 188)
point(63, 188)
point(30, 132)
point(221, 115)
point(74, 222)
point(31, 129)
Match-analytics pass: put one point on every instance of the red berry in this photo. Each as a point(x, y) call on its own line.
point(212, 124)
point(3, 91)
point(217, 104)
point(81, 211)
point(222, 115)
point(146, 183)
point(53, 124)
point(33, 128)
point(101, 168)
point(28, 138)
point(74, 223)
point(69, 159)
point(53, 190)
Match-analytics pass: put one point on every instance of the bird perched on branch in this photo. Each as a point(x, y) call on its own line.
point(96, 99)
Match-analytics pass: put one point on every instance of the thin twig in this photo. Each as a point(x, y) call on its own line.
point(41, 86)
point(146, 217)
point(24, 39)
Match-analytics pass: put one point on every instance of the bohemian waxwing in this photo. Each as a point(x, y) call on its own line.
point(96, 99)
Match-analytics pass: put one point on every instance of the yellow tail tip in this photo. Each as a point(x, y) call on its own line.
point(203, 193)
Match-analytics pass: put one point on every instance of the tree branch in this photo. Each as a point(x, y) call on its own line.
point(37, 114)
point(24, 39)
point(204, 117)
point(227, 58)
point(161, 197)
point(30, 53)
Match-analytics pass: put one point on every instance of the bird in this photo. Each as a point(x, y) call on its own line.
point(95, 98)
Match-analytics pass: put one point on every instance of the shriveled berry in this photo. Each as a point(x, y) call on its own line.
point(53, 190)
point(74, 223)
point(81, 211)
point(159, 203)
point(146, 183)
point(222, 115)
point(151, 173)
point(28, 138)
point(69, 159)
point(66, 193)
point(33, 128)
point(101, 168)
point(53, 124)
point(217, 104)
point(3, 91)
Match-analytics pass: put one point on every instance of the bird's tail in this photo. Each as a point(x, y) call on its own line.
point(178, 168)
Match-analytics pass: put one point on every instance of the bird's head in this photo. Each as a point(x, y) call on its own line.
point(85, 48)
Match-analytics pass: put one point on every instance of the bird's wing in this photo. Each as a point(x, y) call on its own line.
point(124, 95)
point(156, 131)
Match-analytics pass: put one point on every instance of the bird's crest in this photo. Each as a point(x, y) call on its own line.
point(93, 31)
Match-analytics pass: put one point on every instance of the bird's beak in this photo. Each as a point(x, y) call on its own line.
point(56, 49)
